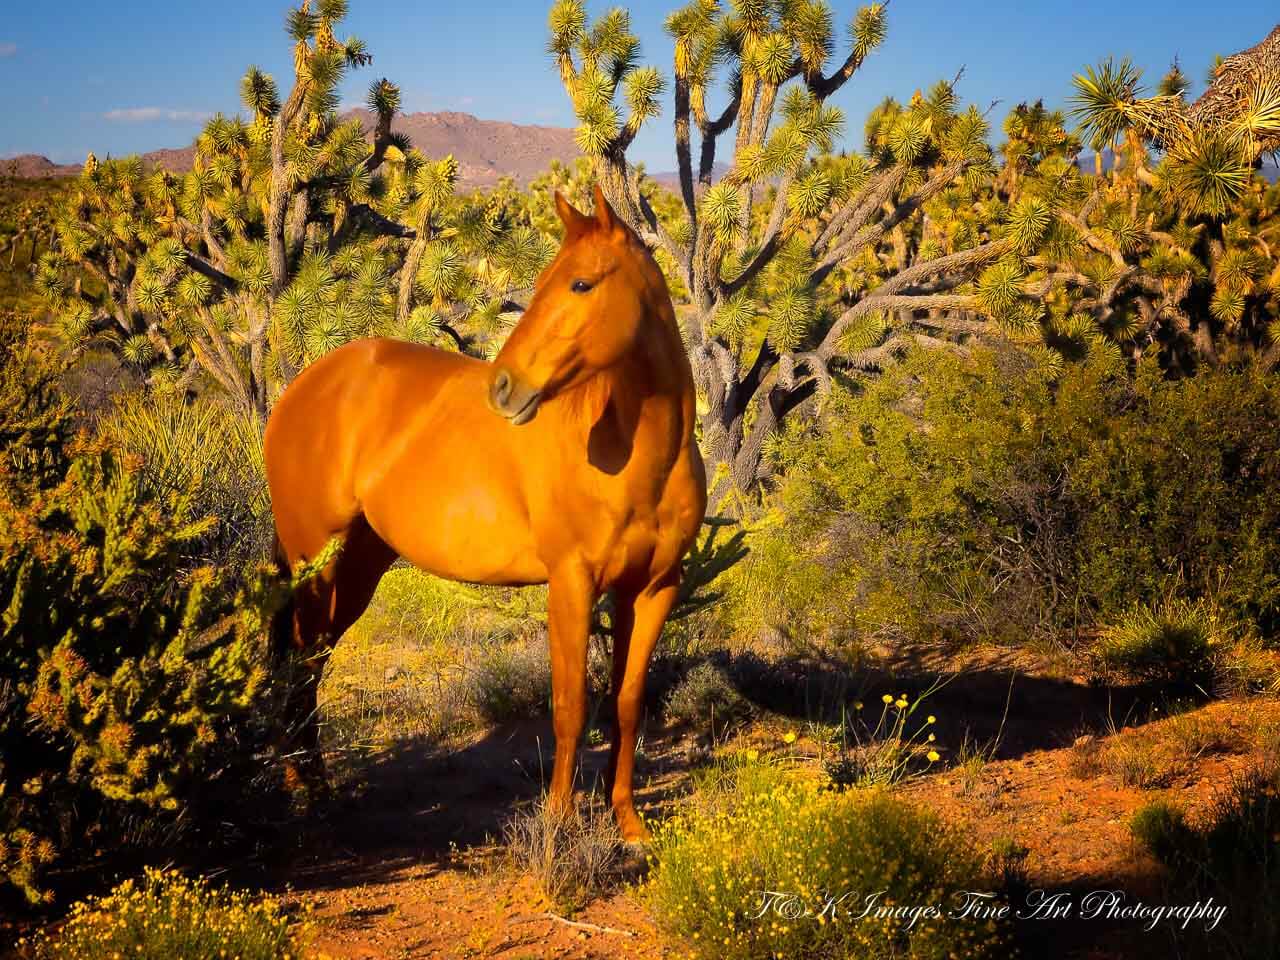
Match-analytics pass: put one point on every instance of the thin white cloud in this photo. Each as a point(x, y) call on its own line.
point(8, 49)
point(149, 114)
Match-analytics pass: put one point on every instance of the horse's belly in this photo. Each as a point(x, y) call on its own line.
point(466, 532)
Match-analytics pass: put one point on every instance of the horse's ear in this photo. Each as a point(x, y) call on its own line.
point(605, 216)
point(574, 222)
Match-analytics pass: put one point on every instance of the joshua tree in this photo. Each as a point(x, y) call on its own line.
point(294, 232)
point(1211, 146)
point(797, 264)
point(1174, 256)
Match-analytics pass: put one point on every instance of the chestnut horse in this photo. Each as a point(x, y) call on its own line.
point(569, 460)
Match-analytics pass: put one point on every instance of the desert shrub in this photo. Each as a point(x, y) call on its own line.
point(896, 746)
point(1160, 826)
point(1085, 761)
point(1138, 760)
point(165, 916)
point(1179, 479)
point(1193, 733)
point(759, 830)
point(706, 700)
point(977, 498)
point(208, 452)
point(127, 674)
point(415, 664)
point(572, 856)
point(1174, 641)
point(1232, 856)
point(509, 681)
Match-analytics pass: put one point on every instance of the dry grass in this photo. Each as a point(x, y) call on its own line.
point(1196, 733)
point(573, 857)
point(1140, 761)
point(431, 660)
point(1085, 761)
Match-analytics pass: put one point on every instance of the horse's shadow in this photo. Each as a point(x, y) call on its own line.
point(423, 807)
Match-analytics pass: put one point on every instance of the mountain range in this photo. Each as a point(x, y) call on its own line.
point(486, 150)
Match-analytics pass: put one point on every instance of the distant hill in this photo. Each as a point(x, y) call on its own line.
point(31, 166)
point(486, 150)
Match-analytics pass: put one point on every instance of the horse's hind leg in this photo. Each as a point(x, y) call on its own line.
point(323, 609)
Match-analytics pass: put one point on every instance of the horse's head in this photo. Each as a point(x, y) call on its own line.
point(587, 310)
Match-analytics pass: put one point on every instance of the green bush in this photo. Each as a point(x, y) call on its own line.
point(126, 673)
point(207, 453)
point(507, 682)
point(1232, 857)
point(166, 916)
point(757, 830)
point(1161, 827)
point(983, 498)
point(1176, 640)
point(706, 699)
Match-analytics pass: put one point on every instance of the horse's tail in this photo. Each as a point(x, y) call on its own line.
point(282, 639)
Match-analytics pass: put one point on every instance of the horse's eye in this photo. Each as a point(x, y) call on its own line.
point(580, 286)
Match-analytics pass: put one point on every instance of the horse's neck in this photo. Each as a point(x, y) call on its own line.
point(646, 398)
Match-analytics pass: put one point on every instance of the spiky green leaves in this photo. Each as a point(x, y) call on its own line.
point(1206, 172)
point(643, 88)
point(434, 182)
point(819, 124)
point(721, 206)
point(1000, 287)
point(769, 58)
point(139, 350)
point(1175, 83)
point(301, 24)
point(908, 137)
point(810, 27)
point(258, 93)
point(608, 52)
point(810, 194)
point(735, 317)
point(383, 98)
point(1103, 102)
point(567, 23)
point(790, 315)
point(868, 29)
point(332, 9)
point(965, 137)
point(1029, 221)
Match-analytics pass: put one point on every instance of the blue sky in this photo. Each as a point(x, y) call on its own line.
point(135, 75)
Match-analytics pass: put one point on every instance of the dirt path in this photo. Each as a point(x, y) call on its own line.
point(411, 866)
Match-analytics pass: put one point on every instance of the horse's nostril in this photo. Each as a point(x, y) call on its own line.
point(501, 387)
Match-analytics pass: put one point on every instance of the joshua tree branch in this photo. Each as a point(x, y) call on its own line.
point(886, 304)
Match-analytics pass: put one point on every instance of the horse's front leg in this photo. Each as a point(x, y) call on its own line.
point(638, 621)
point(569, 605)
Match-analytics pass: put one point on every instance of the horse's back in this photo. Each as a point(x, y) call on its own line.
point(326, 431)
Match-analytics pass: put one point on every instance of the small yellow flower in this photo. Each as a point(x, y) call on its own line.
point(789, 737)
point(932, 719)
point(887, 698)
point(900, 703)
point(753, 755)
point(932, 737)
point(933, 756)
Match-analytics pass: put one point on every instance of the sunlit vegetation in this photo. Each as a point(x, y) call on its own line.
point(963, 387)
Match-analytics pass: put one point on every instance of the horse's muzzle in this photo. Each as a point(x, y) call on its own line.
point(510, 398)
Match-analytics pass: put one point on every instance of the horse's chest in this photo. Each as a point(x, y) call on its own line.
point(634, 539)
